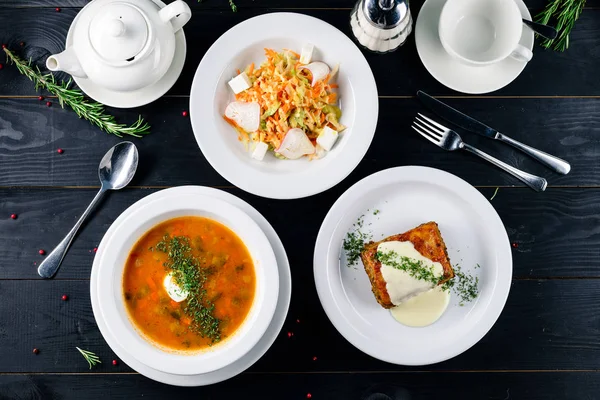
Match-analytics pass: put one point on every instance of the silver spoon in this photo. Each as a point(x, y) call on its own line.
point(115, 171)
point(546, 31)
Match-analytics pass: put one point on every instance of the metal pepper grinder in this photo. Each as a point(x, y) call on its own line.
point(381, 25)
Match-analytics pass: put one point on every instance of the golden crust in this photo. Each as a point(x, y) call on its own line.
point(427, 240)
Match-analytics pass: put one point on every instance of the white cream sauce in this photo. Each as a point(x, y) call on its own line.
point(423, 309)
point(399, 284)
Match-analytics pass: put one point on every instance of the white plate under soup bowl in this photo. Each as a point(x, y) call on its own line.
point(244, 44)
point(110, 285)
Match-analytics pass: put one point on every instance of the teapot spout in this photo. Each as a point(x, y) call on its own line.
point(66, 61)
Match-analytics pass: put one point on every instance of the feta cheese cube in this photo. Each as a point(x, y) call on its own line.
point(327, 138)
point(260, 150)
point(306, 54)
point(240, 83)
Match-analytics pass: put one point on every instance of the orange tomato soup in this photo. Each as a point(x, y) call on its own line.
point(230, 283)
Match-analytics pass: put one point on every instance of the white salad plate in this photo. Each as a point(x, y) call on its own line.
point(457, 75)
point(391, 202)
point(124, 352)
point(244, 44)
point(140, 97)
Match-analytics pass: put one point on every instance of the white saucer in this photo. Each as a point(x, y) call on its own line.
point(283, 302)
point(451, 72)
point(393, 201)
point(140, 97)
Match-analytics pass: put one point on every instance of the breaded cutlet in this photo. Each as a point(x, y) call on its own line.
point(427, 240)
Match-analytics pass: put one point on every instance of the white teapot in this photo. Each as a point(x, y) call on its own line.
point(122, 45)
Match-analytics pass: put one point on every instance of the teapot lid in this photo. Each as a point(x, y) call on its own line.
point(118, 32)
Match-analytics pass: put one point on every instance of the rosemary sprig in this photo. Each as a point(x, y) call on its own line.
point(495, 193)
point(92, 111)
point(564, 13)
point(90, 357)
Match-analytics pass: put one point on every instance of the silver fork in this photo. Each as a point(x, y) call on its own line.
point(449, 140)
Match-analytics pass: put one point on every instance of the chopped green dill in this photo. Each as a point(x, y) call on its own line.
point(375, 212)
point(495, 193)
point(464, 285)
point(191, 276)
point(355, 241)
point(415, 268)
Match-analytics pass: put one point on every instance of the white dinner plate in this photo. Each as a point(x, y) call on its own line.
point(391, 202)
point(244, 44)
point(454, 74)
point(263, 344)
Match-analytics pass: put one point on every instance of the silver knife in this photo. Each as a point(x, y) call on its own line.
point(470, 124)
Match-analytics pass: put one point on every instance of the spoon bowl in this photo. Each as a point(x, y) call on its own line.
point(118, 166)
point(115, 171)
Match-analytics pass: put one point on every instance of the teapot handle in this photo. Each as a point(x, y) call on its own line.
point(178, 13)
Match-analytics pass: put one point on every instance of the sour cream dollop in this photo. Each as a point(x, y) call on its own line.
point(175, 292)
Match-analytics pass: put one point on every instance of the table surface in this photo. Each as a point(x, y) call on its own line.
point(546, 343)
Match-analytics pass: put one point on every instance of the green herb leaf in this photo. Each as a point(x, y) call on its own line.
point(354, 243)
point(494, 195)
point(90, 357)
point(415, 268)
point(563, 13)
point(190, 275)
point(464, 285)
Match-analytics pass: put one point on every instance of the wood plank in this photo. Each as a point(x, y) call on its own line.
point(401, 73)
point(246, 4)
point(495, 386)
point(556, 233)
point(30, 134)
point(546, 325)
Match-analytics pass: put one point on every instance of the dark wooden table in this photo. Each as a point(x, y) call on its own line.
point(546, 344)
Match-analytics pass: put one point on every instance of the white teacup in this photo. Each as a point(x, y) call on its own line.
point(482, 32)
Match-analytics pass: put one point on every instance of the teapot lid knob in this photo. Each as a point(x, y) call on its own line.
point(119, 32)
point(115, 27)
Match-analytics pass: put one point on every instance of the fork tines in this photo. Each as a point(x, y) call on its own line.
point(429, 129)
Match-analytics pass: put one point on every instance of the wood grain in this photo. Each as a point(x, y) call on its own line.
point(345, 386)
point(202, 5)
point(546, 325)
point(401, 73)
point(30, 134)
point(556, 233)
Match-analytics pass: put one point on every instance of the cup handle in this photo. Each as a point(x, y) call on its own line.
point(178, 13)
point(522, 53)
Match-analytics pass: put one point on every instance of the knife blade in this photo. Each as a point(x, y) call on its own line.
point(470, 124)
point(456, 117)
